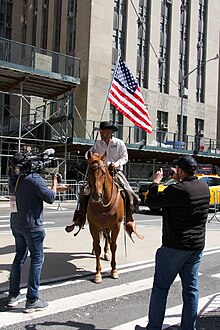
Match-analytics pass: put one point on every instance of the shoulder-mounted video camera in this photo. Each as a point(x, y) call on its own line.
point(41, 163)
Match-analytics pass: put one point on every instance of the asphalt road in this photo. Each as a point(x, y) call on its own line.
point(76, 302)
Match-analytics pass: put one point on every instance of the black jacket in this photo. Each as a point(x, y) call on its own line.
point(185, 210)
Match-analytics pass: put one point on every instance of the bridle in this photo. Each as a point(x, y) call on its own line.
point(96, 166)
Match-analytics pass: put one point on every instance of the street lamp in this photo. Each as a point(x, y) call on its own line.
point(183, 78)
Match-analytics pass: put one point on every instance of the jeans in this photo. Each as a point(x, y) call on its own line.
point(169, 263)
point(24, 241)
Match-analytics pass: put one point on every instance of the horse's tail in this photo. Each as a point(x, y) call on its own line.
point(105, 235)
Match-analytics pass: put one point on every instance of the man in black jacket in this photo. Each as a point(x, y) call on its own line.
point(185, 209)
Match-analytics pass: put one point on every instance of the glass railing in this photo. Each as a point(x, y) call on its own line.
point(163, 140)
point(38, 58)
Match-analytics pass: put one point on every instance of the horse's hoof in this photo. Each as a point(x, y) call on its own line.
point(98, 278)
point(114, 274)
point(107, 256)
point(69, 228)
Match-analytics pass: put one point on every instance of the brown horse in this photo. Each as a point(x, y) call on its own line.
point(105, 211)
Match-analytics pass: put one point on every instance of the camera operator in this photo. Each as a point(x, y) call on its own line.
point(185, 209)
point(30, 191)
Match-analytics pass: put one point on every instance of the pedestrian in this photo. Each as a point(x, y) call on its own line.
point(26, 223)
point(185, 208)
point(117, 156)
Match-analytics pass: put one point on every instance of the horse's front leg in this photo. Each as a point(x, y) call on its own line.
point(106, 247)
point(113, 246)
point(97, 248)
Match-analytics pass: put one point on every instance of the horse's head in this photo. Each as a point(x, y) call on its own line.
point(97, 175)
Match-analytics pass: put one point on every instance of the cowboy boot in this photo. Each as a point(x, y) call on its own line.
point(79, 219)
point(79, 216)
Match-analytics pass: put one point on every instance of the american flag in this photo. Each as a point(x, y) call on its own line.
point(125, 95)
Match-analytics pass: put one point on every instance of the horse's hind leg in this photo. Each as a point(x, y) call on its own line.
point(113, 245)
point(97, 249)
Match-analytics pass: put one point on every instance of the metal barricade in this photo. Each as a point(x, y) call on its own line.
point(72, 194)
point(216, 206)
point(4, 189)
point(74, 190)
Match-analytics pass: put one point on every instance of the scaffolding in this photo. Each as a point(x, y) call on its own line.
point(36, 95)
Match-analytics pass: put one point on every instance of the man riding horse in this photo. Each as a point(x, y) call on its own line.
point(116, 157)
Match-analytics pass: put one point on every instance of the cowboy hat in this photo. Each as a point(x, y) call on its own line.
point(107, 125)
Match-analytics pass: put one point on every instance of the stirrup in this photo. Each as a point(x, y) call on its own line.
point(130, 227)
point(78, 220)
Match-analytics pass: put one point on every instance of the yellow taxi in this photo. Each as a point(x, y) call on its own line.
point(212, 180)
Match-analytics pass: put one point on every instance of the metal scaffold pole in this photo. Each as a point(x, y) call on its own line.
point(20, 118)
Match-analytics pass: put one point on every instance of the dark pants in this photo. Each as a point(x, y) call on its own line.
point(24, 241)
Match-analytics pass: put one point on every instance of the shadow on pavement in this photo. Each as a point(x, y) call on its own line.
point(57, 265)
point(58, 325)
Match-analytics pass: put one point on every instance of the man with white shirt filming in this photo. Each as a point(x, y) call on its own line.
point(116, 157)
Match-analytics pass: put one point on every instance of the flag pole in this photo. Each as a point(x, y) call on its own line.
point(105, 104)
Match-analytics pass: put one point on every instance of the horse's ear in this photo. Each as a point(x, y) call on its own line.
point(103, 158)
point(89, 154)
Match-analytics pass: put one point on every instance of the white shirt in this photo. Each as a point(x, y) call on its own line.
point(116, 151)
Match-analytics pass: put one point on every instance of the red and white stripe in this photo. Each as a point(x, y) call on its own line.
point(131, 105)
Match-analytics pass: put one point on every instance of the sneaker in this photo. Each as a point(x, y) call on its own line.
point(13, 301)
point(38, 305)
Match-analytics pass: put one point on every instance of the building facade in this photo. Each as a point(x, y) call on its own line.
point(169, 45)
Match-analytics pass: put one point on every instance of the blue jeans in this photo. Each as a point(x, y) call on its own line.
point(24, 241)
point(169, 263)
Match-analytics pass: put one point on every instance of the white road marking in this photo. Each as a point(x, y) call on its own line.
point(216, 275)
point(76, 301)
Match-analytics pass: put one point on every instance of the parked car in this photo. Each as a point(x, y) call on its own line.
point(213, 181)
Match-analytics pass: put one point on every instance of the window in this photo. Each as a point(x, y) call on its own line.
point(165, 28)
point(201, 51)
point(116, 117)
point(211, 181)
point(184, 43)
point(119, 29)
point(139, 134)
point(71, 27)
point(199, 126)
point(184, 127)
point(143, 43)
point(45, 8)
point(162, 126)
point(57, 25)
point(34, 22)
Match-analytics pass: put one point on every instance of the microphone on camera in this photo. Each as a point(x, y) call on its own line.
point(49, 152)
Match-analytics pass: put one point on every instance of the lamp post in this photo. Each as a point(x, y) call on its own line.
point(183, 78)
